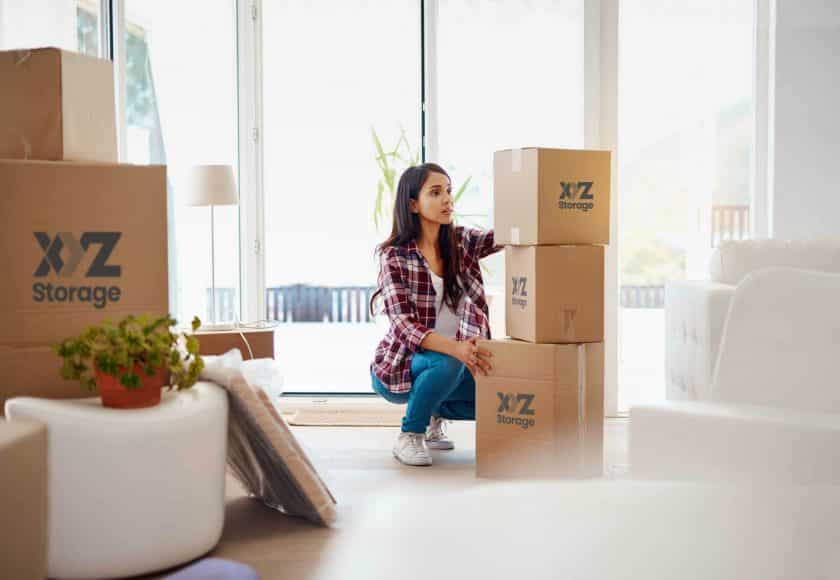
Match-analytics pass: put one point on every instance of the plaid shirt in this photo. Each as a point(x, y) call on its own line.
point(410, 303)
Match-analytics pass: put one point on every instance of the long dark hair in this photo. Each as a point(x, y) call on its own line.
point(406, 228)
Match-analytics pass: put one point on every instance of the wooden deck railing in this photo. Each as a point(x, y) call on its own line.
point(336, 304)
point(730, 222)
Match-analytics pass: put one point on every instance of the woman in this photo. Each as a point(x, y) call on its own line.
point(430, 283)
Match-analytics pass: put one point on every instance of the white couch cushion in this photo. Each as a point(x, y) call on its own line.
point(781, 342)
point(733, 260)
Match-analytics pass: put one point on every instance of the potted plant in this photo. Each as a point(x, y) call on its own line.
point(128, 363)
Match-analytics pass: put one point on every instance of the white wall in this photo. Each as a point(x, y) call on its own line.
point(805, 178)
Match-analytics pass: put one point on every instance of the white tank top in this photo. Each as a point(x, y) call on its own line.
point(446, 321)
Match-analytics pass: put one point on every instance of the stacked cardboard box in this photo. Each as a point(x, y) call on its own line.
point(540, 411)
point(82, 237)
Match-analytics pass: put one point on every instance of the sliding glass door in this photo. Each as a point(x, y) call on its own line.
point(180, 82)
point(342, 116)
point(498, 85)
point(685, 140)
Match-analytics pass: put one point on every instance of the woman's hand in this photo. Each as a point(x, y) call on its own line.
point(474, 357)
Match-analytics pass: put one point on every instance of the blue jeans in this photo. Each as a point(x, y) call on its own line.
point(440, 385)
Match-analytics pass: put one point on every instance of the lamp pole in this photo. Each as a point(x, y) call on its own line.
point(212, 265)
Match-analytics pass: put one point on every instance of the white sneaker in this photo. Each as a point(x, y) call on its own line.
point(436, 437)
point(410, 449)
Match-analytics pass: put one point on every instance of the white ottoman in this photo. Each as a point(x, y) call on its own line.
point(132, 491)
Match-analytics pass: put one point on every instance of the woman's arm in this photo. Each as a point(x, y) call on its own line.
point(481, 243)
point(466, 351)
point(439, 343)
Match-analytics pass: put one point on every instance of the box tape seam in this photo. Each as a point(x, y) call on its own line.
point(581, 405)
point(22, 56)
point(515, 160)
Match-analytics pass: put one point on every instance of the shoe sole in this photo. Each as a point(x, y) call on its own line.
point(440, 446)
point(423, 464)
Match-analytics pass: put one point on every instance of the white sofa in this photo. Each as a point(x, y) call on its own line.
point(695, 310)
point(773, 410)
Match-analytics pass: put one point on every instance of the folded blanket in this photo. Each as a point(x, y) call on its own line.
point(263, 453)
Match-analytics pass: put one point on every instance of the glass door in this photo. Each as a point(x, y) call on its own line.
point(180, 111)
point(685, 139)
point(341, 99)
point(498, 87)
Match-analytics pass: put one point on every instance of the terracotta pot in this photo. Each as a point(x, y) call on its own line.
point(115, 395)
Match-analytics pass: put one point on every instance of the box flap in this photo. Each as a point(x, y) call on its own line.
point(88, 119)
point(513, 358)
point(30, 104)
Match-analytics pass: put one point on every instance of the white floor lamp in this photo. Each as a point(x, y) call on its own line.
point(211, 185)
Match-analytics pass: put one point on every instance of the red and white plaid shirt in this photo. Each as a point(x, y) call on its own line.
point(409, 299)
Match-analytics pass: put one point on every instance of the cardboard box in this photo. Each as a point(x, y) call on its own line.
point(24, 492)
point(57, 105)
point(540, 411)
point(551, 196)
point(261, 341)
point(555, 294)
point(34, 372)
point(80, 243)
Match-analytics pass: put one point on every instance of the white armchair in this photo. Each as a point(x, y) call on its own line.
point(695, 310)
point(773, 410)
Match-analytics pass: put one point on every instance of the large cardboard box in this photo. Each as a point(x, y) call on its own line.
point(540, 411)
point(551, 196)
point(34, 372)
point(80, 243)
point(555, 294)
point(57, 105)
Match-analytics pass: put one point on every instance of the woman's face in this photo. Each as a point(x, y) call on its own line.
point(434, 203)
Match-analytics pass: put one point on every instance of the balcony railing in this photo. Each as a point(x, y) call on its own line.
point(643, 296)
point(336, 304)
point(730, 222)
point(304, 303)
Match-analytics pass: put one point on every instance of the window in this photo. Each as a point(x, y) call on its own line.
point(180, 110)
point(343, 79)
point(509, 74)
point(337, 77)
point(685, 140)
point(68, 24)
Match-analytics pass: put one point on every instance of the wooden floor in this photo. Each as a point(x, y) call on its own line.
point(356, 463)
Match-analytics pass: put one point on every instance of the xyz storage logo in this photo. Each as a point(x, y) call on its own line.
point(62, 255)
point(519, 292)
point(576, 195)
point(515, 409)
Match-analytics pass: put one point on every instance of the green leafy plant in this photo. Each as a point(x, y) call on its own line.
point(391, 164)
point(135, 342)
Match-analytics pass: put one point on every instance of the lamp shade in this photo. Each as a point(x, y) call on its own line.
point(210, 185)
